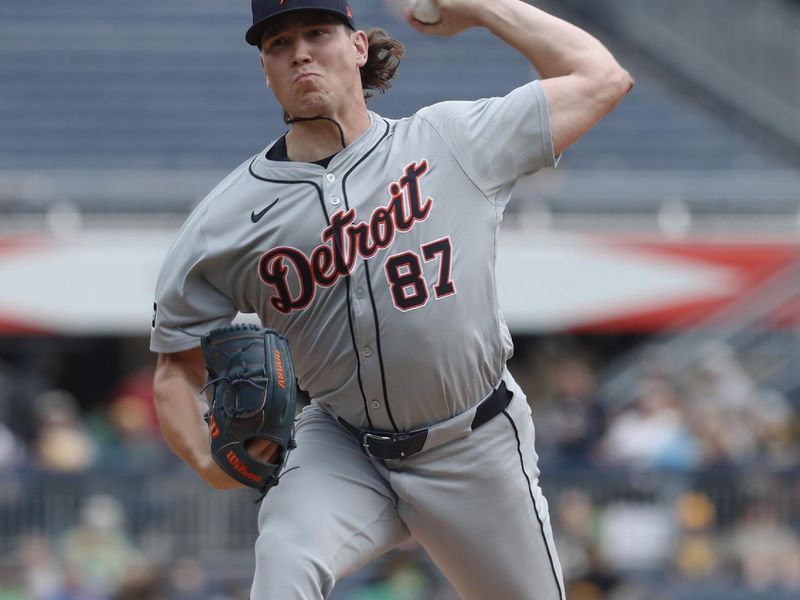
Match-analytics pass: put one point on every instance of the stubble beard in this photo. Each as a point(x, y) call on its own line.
point(312, 103)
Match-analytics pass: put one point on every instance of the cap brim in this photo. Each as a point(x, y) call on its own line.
point(253, 35)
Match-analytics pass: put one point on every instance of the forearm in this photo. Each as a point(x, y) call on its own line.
point(178, 380)
point(180, 416)
point(553, 46)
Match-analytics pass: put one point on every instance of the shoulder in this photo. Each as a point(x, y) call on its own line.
point(531, 92)
point(228, 187)
point(229, 191)
point(214, 203)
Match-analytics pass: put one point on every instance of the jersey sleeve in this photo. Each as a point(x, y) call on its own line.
point(186, 305)
point(497, 140)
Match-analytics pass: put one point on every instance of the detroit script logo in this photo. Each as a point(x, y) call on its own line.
point(344, 241)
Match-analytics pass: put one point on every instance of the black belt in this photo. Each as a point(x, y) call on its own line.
point(386, 445)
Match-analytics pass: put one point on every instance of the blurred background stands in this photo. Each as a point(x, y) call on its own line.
point(670, 458)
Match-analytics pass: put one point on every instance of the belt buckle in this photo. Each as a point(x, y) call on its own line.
point(366, 436)
point(394, 439)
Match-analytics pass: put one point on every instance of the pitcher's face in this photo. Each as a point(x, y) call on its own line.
point(311, 62)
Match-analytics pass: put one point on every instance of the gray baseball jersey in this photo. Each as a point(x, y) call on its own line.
point(379, 269)
point(404, 328)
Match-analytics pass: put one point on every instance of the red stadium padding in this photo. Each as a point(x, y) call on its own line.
point(101, 282)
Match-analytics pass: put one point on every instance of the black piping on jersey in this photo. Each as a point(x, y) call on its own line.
point(294, 181)
point(533, 501)
point(347, 279)
point(369, 282)
point(380, 351)
point(355, 350)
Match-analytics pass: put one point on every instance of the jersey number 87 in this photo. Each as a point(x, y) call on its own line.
point(407, 282)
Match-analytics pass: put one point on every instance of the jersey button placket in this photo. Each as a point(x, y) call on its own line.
point(367, 340)
point(333, 199)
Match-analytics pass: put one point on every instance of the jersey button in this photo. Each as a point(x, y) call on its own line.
point(367, 351)
point(335, 201)
point(375, 405)
point(330, 177)
point(359, 293)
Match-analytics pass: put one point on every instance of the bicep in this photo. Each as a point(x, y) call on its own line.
point(577, 102)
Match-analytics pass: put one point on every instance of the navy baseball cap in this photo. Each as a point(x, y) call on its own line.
point(265, 11)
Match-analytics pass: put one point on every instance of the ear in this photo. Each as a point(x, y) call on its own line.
point(361, 46)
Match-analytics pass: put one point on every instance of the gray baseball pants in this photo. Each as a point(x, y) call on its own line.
point(474, 504)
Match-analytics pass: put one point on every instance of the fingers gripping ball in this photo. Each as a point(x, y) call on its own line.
point(425, 11)
point(254, 397)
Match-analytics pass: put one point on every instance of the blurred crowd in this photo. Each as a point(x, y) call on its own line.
point(685, 485)
point(97, 560)
point(710, 414)
point(705, 459)
point(54, 433)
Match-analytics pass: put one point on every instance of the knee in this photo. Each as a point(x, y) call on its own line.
point(288, 570)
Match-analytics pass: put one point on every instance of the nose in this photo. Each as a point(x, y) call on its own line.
point(301, 52)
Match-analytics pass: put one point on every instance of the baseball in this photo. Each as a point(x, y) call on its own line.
point(425, 11)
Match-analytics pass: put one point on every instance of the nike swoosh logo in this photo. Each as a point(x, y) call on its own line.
point(256, 217)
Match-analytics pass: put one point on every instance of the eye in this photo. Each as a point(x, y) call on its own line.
point(276, 43)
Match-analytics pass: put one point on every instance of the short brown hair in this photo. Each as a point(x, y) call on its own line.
point(383, 60)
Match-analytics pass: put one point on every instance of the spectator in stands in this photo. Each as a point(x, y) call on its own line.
point(575, 532)
point(638, 533)
point(63, 442)
point(40, 570)
point(651, 433)
point(598, 581)
point(573, 421)
point(697, 555)
point(16, 400)
point(763, 550)
point(98, 553)
point(126, 430)
point(737, 422)
point(138, 386)
point(776, 430)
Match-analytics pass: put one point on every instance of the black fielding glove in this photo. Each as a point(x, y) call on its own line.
point(255, 392)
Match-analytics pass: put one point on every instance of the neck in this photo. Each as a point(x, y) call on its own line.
point(309, 141)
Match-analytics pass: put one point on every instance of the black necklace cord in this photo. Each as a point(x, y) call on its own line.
point(319, 118)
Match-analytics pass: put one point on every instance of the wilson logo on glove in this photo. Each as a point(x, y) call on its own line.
point(240, 468)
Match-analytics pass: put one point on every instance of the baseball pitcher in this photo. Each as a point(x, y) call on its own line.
point(366, 247)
